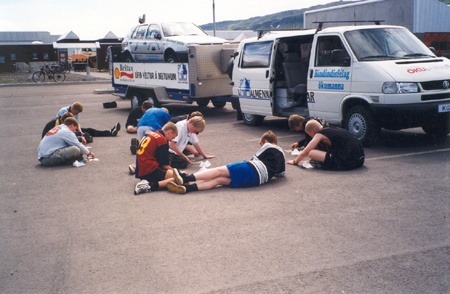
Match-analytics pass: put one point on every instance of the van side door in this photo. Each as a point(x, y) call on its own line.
point(329, 79)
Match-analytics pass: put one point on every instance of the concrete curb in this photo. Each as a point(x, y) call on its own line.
point(103, 81)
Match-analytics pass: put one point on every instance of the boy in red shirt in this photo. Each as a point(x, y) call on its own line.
point(152, 160)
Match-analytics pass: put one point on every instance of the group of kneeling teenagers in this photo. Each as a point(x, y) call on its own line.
point(327, 147)
point(160, 156)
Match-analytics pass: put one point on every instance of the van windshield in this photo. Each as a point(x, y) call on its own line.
point(386, 44)
point(181, 29)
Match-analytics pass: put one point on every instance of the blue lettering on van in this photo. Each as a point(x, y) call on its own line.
point(333, 74)
point(246, 91)
point(330, 86)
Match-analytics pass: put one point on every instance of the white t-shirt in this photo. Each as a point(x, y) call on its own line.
point(184, 136)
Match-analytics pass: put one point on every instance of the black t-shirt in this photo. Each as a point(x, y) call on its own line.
point(343, 143)
point(134, 116)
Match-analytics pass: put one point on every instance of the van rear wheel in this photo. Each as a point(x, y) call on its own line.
point(361, 122)
point(252, 119)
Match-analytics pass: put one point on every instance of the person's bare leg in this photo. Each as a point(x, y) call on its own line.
point(210, 184)
point(209, 174)
point(317, 155)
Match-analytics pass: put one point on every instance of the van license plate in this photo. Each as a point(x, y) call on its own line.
point(444, 108)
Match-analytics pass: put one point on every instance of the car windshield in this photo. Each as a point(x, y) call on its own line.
point(181, 29)
point(386, 44)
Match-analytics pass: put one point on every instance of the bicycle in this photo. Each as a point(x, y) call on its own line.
point(61, 67)
point(51, 74)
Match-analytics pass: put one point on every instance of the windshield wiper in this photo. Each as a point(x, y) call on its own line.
point(374, 57)
point(418, 55)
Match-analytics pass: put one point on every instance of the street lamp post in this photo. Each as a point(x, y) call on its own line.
point(214, 18)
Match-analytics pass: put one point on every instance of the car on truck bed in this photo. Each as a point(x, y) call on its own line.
point(164, 42)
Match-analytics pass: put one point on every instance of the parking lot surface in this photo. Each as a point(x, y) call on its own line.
point(380, 229)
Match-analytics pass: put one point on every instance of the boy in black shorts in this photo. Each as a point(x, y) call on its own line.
point(268, 162)
point(152, 159)
point(345, 152)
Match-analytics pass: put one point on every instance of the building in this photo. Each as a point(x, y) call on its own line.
point(429, 20)
point(28, 51)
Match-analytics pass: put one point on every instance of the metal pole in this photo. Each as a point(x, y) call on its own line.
point(214, 18)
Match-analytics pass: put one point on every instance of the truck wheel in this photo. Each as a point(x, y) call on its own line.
point(437, 127)
point(252, 119)
point(219, 104)
point(361, 122)
point(170, 58)
point(154, 101)
point(136, 100)
point(127, 57)
point(202, 102)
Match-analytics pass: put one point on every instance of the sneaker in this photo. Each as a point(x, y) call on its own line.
point(174, 188)
point(115, 129)
point(134, 146)
point(142, 187)
point(177, 176)
point(132, 169)
point(88, 137)
point(315, 164)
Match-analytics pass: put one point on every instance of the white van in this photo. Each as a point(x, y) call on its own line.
point(363, 78)
point(164, 42)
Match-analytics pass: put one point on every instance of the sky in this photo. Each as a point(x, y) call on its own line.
point(93, 19)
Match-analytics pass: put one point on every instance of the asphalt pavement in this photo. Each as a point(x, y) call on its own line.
point(383, 228)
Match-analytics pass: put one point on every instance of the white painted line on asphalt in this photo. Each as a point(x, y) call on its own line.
point(409, 154)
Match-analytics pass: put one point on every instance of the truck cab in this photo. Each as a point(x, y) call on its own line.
point(362, 78)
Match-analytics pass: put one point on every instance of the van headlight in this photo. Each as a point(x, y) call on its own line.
point(399, 88)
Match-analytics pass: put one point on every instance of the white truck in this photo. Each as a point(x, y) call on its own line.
point(362, 78)
point(203, 78)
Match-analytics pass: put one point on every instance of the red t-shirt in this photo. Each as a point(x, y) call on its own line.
point(153, 152)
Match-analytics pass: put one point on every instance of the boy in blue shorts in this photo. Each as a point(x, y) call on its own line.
point(268, 162)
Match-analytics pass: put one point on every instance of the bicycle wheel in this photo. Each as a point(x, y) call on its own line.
point(38, 77)
point(59, 77)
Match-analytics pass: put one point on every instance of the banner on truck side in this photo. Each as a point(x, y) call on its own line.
point(169, 75)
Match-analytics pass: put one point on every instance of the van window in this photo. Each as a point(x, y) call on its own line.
point(331, 52)
point(385, 44)
point(257, 55)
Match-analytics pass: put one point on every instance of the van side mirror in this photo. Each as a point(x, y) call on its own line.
point(340, 57)
point(158, 36)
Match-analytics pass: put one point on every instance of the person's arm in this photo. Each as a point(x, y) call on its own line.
point(72, 140)
point(174, 147)
point(200, 151)
point(313, 144)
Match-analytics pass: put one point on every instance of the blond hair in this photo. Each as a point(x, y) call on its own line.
point(198, 123)
point(313, 125)
point(170, 126)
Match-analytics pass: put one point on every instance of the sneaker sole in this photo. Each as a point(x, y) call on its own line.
point(133, 149)
point(174, 188)
point(177, 177)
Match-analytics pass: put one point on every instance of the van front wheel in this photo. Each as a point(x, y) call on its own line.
point(361, 122)
point(252, 119)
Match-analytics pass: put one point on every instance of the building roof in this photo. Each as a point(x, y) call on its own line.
point(20, 38)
